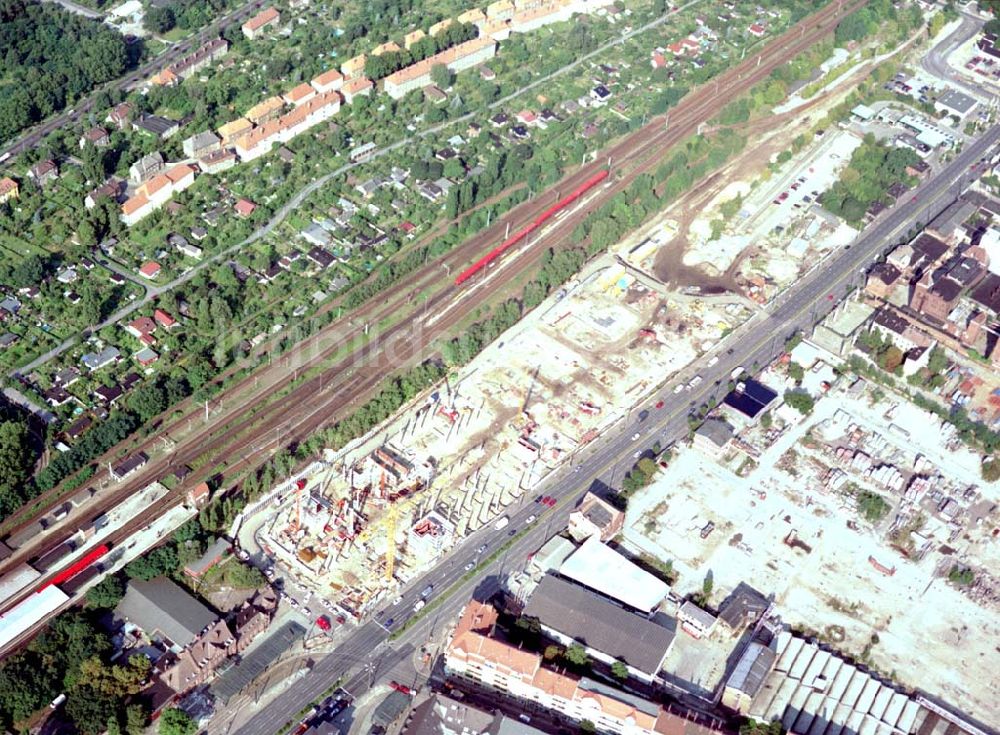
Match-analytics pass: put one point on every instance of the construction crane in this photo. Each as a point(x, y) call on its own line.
point(389, 519)
point(391, 516)
point(300, 485)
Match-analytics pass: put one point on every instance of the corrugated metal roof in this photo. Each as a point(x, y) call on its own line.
point(160, 605)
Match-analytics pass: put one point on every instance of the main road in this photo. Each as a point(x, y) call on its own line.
point(368, 652)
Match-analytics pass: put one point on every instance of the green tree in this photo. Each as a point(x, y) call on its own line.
point(800, 401)
point(107, 593)
point(587, 727)
point(91, 710)
point(160, 561)
point(872, 506)
point(577, 655)
point(244, 576)
point(796, 372)
point(136, 719)
point(441, 76)
point(620, 670)
point(175, 721)
point(990, 469)
point(159, 20)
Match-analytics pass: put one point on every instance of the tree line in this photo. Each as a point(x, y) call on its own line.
point(51, 58)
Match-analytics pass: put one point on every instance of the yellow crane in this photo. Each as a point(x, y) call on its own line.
point(388, 520)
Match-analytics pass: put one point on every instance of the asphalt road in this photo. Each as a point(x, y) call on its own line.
point(367, 654)
point(935, 61)
point(34, 135)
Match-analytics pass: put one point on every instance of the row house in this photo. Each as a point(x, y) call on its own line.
point(385, 48)
point(530, 20)
point(234, 129)
point(456, 58)
point(201, 658)
point(354, 67)
point(146, 167)
point(328, 81)
point(299, 95)
point(260, 23)
point(412, 37)
point(476, 655)
point(201, 144)
point(194, 62)
point(9, 189)
point(262, 112)
point(217, 161)
point(260, 140)
point(440, 26)
point(157, 191)
point(357, 87)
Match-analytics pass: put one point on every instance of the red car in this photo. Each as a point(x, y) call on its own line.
point(323, 623)
point(659, 404)
point(400, 688)
point(551, 502)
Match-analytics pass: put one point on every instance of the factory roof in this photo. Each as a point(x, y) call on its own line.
point(161, 606)
point(716, 431)
point(603, 569)
point(957, 101)
point(599, 624)
point(750, 398)
point(752, 669)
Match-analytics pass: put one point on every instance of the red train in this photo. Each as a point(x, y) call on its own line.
point(535, 224)
point(76, 567)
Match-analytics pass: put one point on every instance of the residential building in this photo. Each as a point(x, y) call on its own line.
point(43, 172)
point(385, 48)
point(595, 517)
point(234, 129)
point(260, 23)
point(141, 326)
point(217, 161)
point(212, 556)
point(883, 278)
point(254, 616)
point(456, 58)
point(329, 81)
point(186, 248)
point(500, 10)
point(299, 94)
point(97, 360)
point(146, 167)
point(442, 715)
point(164, 612)
point(356, 87)
point(569, 613)
point(269, 109)
point(156, 192)
point(150, 269)
point(713, 437)
point(531, 20)
point(259, 141)
point(199, 59)
point(411, 38)
point(9, 189)
point(354, 67)
point(935, 298)
point(695, 621)
point(475, 654)
point(474, 16)
point(439, 26)
point(201, 144)
point(109, 395)
point(244, 207)
point(121, 115)
point(95, 136)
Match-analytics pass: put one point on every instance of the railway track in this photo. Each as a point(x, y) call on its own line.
point(241, 437)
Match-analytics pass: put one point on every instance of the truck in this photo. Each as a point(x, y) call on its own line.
point(501, 523)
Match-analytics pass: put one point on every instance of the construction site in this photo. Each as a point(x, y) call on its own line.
point(356, 527)
point(851, 524)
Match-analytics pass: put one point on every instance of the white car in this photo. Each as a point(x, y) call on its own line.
point(715, 359)
point(636, 435)
point(468, 567)
point(678, 388)
point(695, 381)
point(293, 602)
point(397, 599)
point(307, 597)
point(530, 519)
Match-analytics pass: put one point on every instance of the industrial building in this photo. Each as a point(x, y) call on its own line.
point(571, 614)
point(602, 569)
